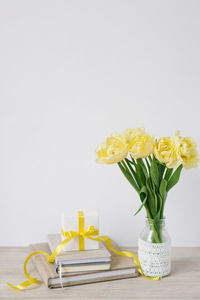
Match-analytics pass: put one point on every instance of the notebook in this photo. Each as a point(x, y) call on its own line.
point(77, 261)
point(121, 267)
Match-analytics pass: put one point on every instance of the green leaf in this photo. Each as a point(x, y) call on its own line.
point(163, 196)
point(148, 165)
point(154, 173)
point(143, 197)
point(129, 177)
point(134, 174)
point(141, 163)
point(158, 215)
point(174, 178)
point(148, 185)
point(130, 161)
point(133, 160)
point(161, 169)
point(162, 189)
point(168, 173)
point(140, 172)
point(152, 199)
point(130, 164)
point(124, 165)
point(140, 175)
point(150, 158)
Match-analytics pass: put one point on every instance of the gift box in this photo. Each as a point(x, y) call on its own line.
point(79, 222)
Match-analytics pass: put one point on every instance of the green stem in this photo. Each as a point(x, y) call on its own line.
point(155, 232)
point(162, 209)
point(134, 182)
point(148, 164)
point(128, 176)
point(150, 158)
point(125, 166)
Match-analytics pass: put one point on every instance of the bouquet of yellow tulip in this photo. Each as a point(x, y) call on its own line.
point(153, 167)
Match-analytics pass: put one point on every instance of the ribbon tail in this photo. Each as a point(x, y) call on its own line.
point(31, 280)
point(50, 259)
point(22, 285)
point(122, 253)
point(150, 278)
point(60, 247)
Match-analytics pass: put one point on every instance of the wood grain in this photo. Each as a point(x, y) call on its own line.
point(183, 283)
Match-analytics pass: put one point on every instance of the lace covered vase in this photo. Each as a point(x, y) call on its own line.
point(154, 251)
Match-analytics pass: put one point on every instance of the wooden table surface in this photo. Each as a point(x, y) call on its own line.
point(183, 283)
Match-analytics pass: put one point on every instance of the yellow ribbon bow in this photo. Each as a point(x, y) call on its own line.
point(81, 231)
point(69, 235)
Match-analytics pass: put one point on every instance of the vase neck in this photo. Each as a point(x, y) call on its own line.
point(155, 222)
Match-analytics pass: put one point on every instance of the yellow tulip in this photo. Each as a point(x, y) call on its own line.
point(141, 146)
point(187, 151)
point(166, 152)
point(130, 133)
point(113, 150)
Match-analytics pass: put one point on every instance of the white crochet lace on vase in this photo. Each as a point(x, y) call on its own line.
point(155, 258)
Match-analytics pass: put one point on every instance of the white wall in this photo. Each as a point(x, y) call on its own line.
point(71, 73)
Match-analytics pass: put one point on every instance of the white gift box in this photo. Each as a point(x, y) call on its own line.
point(70, 222)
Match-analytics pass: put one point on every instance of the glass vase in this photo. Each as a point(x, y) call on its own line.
point(154, 251)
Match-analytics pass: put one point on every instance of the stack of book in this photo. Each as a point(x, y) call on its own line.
point(80, 267)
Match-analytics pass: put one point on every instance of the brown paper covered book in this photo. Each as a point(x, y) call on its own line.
point(121, 267)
